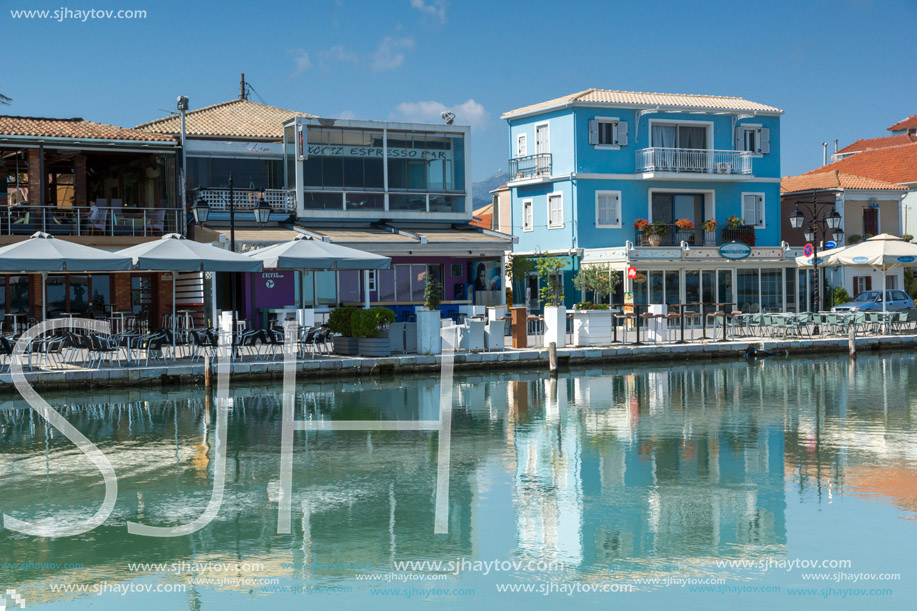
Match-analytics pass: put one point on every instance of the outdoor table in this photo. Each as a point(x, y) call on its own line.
point(719, 305)
point(681, 316)
point(70, 316)
point(121, 316)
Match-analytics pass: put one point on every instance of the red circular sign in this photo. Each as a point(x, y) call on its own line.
point(807, 250)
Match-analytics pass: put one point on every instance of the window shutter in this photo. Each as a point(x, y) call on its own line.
point(622, 133)
point(868, 283)
point(759, 210)
point(749, 210)
point(593, 132)
point(616, 202)
point(764, 142)
point(740, 138)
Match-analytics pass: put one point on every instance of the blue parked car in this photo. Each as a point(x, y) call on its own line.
point(871, 301)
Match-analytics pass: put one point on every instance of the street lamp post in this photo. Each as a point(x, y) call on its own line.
point(820, 218)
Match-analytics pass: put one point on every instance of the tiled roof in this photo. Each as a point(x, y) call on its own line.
point(234, 119)
point(834, 180)
point(483, 217)
point(895, 164)
point(866, 144)
point(642, 99)
point(909, 123)
point(76, 129)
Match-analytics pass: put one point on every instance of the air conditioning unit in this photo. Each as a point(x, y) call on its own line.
point(724, 168)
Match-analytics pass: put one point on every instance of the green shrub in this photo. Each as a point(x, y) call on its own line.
point(432, 294)
point(854, 238)
point(588, 305)
point(340, 320)
point(907, 237)
point(369, 323)
point(839, 296)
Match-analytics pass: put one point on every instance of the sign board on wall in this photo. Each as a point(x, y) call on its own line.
point(735, 250)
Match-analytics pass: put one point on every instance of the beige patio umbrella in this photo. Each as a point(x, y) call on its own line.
point(883, 251)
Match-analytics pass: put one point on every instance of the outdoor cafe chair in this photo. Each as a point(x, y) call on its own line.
point(306, 340)
point(202, 344)
point(151, 346)
point(102, 348)
point(899, 322)
point(272, 341)
point(6, 349)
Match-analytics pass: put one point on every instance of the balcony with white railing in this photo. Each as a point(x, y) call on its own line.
point(280, 200)
point(693, 161)
point(530, 166)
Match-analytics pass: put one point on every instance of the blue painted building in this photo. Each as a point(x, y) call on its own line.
point(585, 168)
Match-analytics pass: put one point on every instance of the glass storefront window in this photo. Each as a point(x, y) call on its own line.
point(399, 201)
point(79, 294)
point(447, 203)
point(672, 286)
point(656, 281)
point(308, 292)
point(790, 290)
point(386, 284)
point(19, 294)
point(402, 283)
point(365, 201)
point(747, 285)
point(724, 286)
point(640, 289)
point(771, 295)
point(326, 288)
point(318, 200)
point(247, 173)
point(350, 286)
point(418, 281)
point(289, 156)
point(708, 290)
point(56, 294)
point(692, 286)
point(101, 293)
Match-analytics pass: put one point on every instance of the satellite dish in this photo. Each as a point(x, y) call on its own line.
point(448, 117)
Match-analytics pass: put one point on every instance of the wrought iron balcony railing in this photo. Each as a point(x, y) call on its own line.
point(530, 166)
point(698, 161)
point(673, 236)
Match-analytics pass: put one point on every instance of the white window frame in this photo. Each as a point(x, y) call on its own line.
point(522, 146)
point(530, 205)
point(371, 286)
point(763, 224)
point(755, 127)
point(560, 195)
point(608, 147)
point(535, 139)
point(686, 122)
point(600, 193)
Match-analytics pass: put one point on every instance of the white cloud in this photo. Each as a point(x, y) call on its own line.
point(301, 61)
point(390, 53)
point(467, 113)
point(435, 9)
point(347, 114)
point(336, 55)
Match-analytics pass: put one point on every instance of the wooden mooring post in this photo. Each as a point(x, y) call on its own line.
point(208, 371)
point(552, 358)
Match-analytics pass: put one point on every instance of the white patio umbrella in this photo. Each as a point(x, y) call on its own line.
point(308, 254)
point(44, 253)
point(175, 253)
point(884, 251)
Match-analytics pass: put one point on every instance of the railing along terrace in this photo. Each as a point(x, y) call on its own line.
point(280, 200)
point(26, 219)
point(530, 166)
point(674, 236)
point(701, 161)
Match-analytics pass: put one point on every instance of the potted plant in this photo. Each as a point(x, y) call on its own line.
point(552, 296)
point(367, 326)
point(340, 323)
point(709, 225)
point(592, 323)
point(734, 222)
point(429, 340)
point(685, 224)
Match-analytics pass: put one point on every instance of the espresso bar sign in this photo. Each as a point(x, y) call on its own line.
point(334, 150)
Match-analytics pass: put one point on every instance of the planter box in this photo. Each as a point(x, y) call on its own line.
point(555, 326)
point(375, 346)
point(429, 340)
point(592, 327)
point(345, 345)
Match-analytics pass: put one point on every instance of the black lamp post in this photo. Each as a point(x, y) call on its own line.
point(819, 219)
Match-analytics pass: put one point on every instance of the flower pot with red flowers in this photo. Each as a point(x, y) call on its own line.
point(709, 228)
point(684, 230)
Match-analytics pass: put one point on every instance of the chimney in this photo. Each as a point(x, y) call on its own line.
point(824, 153)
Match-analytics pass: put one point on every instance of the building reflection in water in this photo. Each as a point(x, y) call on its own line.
point(682, 465)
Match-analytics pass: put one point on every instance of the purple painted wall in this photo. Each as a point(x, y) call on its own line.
point(271, 289)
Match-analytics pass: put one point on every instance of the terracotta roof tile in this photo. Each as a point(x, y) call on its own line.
point(834, 180)
point(76, 129)
point(234, 119)
point(909, 123)
point(866, 144)
point(642, 99)
point(483, 217)
point(895, 164)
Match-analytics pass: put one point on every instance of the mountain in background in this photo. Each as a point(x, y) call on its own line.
point(480, 191)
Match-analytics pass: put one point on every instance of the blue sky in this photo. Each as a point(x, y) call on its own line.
point(840, 69)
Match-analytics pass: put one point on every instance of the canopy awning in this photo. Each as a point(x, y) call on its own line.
point(306, 253)
point(178, 254)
